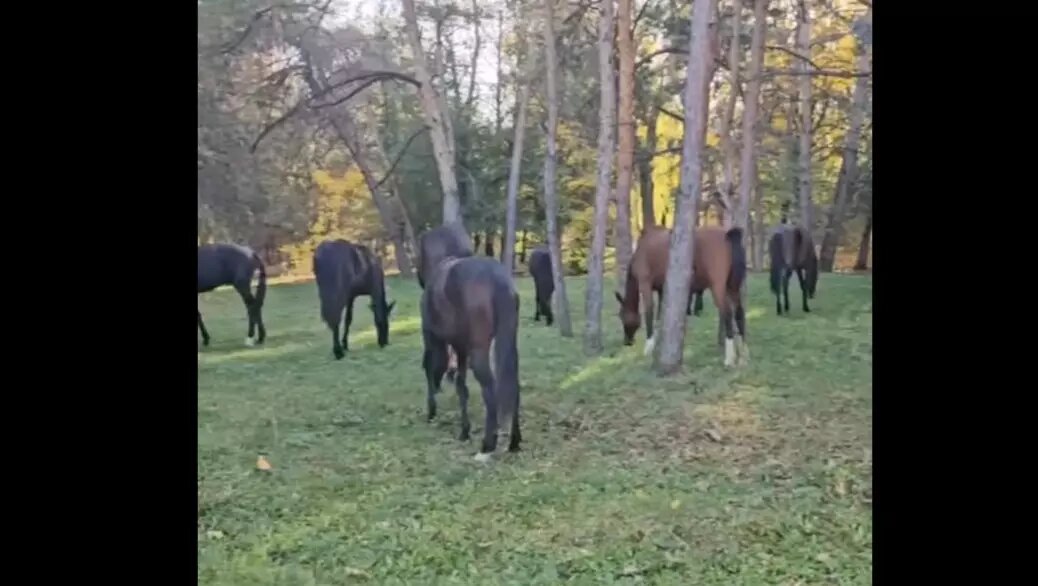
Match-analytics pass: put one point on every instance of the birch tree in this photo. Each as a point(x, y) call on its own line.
point(551, 198)
point(679, 266)
point(596, 261)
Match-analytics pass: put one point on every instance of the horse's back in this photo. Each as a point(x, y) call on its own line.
point(462, 298)
point(223, 264)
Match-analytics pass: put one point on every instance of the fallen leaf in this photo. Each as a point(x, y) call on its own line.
point(356, 572)
point(841, 487)
point(214, 534)
point(674, 504)
point(714, 435)
point(263, 464)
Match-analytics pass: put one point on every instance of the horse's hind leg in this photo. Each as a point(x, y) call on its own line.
point(803, 290)
point(201, 326)
point(785, 287)
point(485, 376)
point(740, 324)
point(346, 326)
point(463, 397)
point(250, 310)
point(435, 363)
point(549, 317)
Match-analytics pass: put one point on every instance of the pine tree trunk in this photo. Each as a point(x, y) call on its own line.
point(436, 118)
point(626, 129)
point(803, 47)
point(733, 214)
point(551, 198)
point(645, 171)
point(596, 261)
point(863, 248)
point(679, 266)
point(751, 106)
point(849, 167)
point(511, 209)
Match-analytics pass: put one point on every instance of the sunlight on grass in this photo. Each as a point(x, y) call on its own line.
point(265, 351)
point(596, 367)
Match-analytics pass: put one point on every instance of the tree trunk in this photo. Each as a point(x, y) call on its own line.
point(511, 209)
point(751, 105)
point(727, 142)
point(645, 171)
point(679, 266)
point(803, 47)
point(596, 262)
point(849, 167)
point(488, 244)
point(760, 236)
point(863, 248)
point(436, 118)
point(626, 128)
point(522, 249)
point(551, 198)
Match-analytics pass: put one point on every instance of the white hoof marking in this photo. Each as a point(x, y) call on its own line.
point(650, 345)
point(482, 457)
point(250, 342)
point(729, 352)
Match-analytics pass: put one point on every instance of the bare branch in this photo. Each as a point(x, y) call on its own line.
point(771, 73)
point(641, 13)
point(400, 156)
point(367, 75)
point(256, 17)
point(673, 115)
point(794, 54)
point(281, 120)
point(657, 53)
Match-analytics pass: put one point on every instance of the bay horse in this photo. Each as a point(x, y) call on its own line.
point(543, 282)
point(719, 264)
point(446, 241)
point(233, 264)
point(471, 304)
point(344, 271)
point(791, 249)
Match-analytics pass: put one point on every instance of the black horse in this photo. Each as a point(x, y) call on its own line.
point(471, 304)
point(447, 241)
point(231, 264)
point(345, 271)
point(792, 249)
point(543, 282)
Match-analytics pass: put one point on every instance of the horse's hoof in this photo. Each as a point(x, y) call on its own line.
point(250, 342)
point(483, 457)
point(205, 342)
point(338, 354)
point(650, 345)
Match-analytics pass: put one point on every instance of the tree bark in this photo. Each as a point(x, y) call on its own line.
point(436, 118)
point(863, 248)
point(727, 142)
point(626, 128)
point(803, 47)
point(751, 106)
point(849, 166)
point(679, 266)
point(645, 171)
point(596, 262)
point(551, 199)
point(511, 204)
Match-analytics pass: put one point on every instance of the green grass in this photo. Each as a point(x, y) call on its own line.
point(758, 475)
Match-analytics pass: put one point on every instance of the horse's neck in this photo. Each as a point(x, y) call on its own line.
point(631, 292)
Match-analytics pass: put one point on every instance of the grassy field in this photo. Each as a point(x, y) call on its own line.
point(760, 475)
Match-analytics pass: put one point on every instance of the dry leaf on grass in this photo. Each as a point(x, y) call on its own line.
point(263, 464)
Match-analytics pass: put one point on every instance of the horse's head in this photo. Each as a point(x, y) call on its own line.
point(629, 318)
point(381, 312)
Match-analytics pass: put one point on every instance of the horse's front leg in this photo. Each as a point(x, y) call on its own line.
point(346, 325)
point(803, 289)
point(463, 396)
point(201, 326)
point(650, 341)
point(785, 287)
point(435, 363)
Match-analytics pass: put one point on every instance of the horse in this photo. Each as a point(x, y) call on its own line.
point(471, 305)
point(345, 271)
point(719, 264)
point(792, 249)
point(543, 282)
point(435, 245)
point(233, 264)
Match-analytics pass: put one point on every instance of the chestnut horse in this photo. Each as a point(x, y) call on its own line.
point(791, 249)
point(719, 264)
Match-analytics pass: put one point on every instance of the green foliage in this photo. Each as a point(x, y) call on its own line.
point(761, 475)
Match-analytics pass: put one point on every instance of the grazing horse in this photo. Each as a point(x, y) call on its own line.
point(446, 241)
point(791, 249)
point(471, 304)
point(345, 271)
point(232, 264)
point(719, 265)
point(543, 282)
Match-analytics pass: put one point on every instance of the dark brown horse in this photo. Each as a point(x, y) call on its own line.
point(543, 283)
point(471, 305)
point(719, 265)
point(344, 271)
point(792, 249)
point(442, 242)
point(232, 264)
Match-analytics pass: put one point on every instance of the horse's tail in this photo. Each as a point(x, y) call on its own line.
point(778, 261)
point(506, 353)
point(810, 268)
point(737, 273)
point(261, 285)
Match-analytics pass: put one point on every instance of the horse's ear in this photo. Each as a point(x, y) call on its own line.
point(619, 297)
